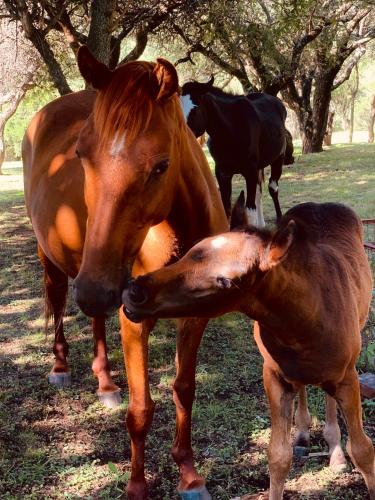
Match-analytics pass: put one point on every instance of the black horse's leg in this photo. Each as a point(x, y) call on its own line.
point(254, 197)
point(273, 184)
point(225, 186)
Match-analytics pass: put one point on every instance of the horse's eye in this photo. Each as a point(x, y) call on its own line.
point(160, 167)
point(78, 154)
point(223, 282)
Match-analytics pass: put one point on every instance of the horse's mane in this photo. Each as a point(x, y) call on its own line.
point(126, 104)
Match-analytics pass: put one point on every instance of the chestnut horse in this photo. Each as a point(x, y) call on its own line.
point(116, 185)
point(308, 286)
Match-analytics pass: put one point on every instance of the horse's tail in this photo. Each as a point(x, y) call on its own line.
point(289, 149)
point(55, 292)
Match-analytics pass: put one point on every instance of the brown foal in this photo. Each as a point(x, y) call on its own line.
point(308, 286)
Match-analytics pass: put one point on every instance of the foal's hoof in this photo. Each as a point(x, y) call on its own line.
point(60, 379)
point(110, 399)
point(300, 451)
point(195, 494)
point(337, 461)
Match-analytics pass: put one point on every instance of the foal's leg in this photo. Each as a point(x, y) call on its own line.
point(190, 331)
point(359, 446)
point(303, 421)
point(332, 435)
point(273, 184)
point(280, 396)
point(56, 288)
point(225, 185)
point(108, 392)
point(141, 407)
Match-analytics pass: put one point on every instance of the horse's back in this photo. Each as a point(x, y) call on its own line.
point(330, 241)
point(53, 178)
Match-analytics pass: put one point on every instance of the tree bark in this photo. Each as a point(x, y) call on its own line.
point(371, 121)
point(329, 130)
point(353, 95)
point(99, 37)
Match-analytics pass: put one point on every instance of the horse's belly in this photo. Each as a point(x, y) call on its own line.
point(58, 215)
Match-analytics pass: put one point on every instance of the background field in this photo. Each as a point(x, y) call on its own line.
point(63, 444)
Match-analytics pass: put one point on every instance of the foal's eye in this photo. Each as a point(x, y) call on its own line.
point(160, 167)
point(223, 282)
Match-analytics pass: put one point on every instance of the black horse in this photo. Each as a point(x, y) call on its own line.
point(246, 134)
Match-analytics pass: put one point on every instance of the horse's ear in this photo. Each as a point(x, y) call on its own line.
point(239, 215)
point(166, 79)
point(93, 71)
point(278, 247)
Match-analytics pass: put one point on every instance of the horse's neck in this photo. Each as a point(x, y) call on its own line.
point(283, 301)
point(217, 125)
point(197, 210)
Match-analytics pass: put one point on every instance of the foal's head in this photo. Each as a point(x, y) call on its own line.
point(218, 275)
point(192, 98)
point(130, 151)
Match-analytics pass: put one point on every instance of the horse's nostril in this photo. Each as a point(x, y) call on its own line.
point(137, 294)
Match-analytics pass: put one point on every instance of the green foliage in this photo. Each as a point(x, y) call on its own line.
point(15, 128)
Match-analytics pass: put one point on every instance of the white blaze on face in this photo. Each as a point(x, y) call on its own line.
point(118, 144)
point(187, 105)
point(259, 208)
point(219, 242)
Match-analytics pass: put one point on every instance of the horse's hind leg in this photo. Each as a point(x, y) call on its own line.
point(56, 288)
point(108, 392)
point(273, 184)
point(332, 435)
point(191, 485)
point(359, 446)
point(303, 423)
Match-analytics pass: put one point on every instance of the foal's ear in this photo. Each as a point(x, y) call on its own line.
point(278, 247)
point(239, 215)
point(93, 71)
point(166, 79)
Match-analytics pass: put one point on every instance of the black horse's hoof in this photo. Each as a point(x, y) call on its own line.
point(300, 451)
point(60, 379)
point(110, 399)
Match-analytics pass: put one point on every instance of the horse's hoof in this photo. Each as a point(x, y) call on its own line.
point(195, 494)
point(300, 451)
point(110, 399)
point(60, 379)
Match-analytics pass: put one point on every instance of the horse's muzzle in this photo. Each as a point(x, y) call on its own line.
point(94, 299)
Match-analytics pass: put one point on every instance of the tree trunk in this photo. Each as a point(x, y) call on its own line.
point(353, 95)
point(2, 148)
point(321, 101)
point(371, 121)
point(42, 46)
point(99, 37)
point(329, 130)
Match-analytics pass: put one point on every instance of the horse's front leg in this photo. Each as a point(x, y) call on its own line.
point(190, 331)
point(108, 392)
point(254, 209)
point(273, 185)
point(141, 407)
point(225, 185)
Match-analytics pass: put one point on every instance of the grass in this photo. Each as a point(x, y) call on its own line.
point(63, 444)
